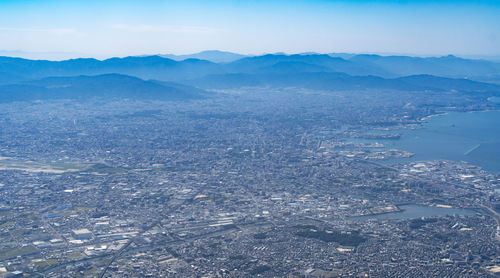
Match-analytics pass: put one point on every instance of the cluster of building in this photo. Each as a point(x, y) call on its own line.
point(230, 187)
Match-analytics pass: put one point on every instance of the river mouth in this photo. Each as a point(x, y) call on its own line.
point(415, 211)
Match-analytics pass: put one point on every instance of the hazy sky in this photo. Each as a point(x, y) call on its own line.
point(117, 28)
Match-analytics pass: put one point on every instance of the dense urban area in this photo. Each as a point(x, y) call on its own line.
point(250, 182)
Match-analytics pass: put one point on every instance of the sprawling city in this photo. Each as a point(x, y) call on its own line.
point(262, 183)
point(294, 163)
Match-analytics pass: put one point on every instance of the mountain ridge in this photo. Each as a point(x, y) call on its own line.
point(342, 81)
point(215, 56)
point(98, 86)
point(161, 68)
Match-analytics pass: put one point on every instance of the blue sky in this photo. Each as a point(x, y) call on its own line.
point(61, 29)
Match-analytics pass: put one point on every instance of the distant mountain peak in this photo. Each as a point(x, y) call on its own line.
point(215, 56)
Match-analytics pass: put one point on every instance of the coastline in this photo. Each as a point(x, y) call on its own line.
point(432, 115)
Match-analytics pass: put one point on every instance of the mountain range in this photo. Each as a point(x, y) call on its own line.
point(343, 82)
point(165, 78)
point(114, 86)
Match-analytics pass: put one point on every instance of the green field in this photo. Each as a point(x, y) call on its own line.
point(57, 168)
point(38, 167)
point(23, 251)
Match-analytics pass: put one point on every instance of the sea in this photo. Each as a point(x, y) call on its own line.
point(473, 137)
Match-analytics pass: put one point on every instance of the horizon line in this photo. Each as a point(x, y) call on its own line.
point(28, 55)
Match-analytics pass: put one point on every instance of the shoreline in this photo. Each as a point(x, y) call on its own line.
point(448, 112)
point(432, 116)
